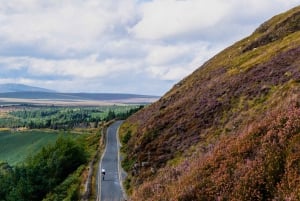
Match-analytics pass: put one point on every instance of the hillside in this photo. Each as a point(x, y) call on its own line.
point(73, 96)
point(10, 87)
point(15, 94)
point(230, 130)
point(49, 98)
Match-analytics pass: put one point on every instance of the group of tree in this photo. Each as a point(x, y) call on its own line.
point(66, 118)
point(122, 115)
point(40, 174)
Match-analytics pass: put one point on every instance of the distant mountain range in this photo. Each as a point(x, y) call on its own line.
point(71, 96)
point(21, 88)
point(24, 94)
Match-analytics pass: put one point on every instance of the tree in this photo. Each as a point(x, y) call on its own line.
point(111, 115)
point(41, 173)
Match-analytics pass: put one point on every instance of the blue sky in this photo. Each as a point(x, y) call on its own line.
point(127, 46)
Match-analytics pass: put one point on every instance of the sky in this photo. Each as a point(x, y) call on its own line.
point(120, 46)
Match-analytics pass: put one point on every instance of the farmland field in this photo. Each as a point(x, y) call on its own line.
point(16, 146)
point(35, 131)
point(24, 130)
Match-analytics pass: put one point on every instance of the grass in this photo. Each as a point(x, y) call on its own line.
point(260, 163)
point(262, 54)
point(229, 95)
point(16, 146)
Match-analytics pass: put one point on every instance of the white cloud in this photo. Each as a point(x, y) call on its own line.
point(168, 72)
point(86, 68)
point(171, 18)
point(177, 61)
point(126, 45)
point(159, 55)
point(185, 19)
point(64, 26)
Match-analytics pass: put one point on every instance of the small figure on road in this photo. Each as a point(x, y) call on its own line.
point(103, 173)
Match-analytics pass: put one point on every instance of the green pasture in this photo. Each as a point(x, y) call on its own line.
point(16, 146)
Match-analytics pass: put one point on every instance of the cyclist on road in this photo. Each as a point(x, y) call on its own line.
point(103, 173)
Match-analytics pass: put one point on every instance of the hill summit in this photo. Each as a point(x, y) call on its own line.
point(230, 130)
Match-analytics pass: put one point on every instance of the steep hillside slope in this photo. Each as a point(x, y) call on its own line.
point(230, 130)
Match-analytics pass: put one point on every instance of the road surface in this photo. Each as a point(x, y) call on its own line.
point(110, 189)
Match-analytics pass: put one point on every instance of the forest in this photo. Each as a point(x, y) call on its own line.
point(41, 173)
point(65, 117)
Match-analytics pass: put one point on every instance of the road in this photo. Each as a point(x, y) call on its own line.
point(110, 189)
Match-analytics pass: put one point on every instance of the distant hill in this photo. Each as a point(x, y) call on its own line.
point(21, 88)
point(228, 131)
point(72, 96)
point(84, 99)
point(24, 94)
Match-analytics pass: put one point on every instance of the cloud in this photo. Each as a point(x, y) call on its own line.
point(173, 62)
point(158, 55)
point(206, 20)
point(86, 68)
point(64, 27)
point(136, 46)
point(171, 18)
point(168, 72)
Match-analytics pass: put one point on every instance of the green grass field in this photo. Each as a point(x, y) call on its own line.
point(16, 146)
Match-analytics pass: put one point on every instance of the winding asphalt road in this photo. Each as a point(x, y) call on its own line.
point(110, 189)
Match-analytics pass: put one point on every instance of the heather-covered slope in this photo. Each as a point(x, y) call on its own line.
point(230, 130)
